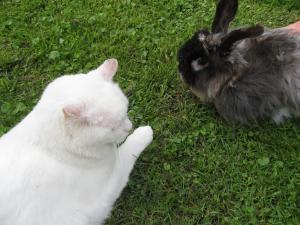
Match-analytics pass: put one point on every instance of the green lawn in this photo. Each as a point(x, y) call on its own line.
point(199, 169)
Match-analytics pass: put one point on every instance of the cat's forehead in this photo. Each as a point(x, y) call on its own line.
point(86, 87)
point(81, 83)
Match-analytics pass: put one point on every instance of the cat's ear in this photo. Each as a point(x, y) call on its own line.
point(79, 113)
point(75, 112)
point(108, 69)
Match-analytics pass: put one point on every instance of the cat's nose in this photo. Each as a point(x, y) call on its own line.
point(127, 125)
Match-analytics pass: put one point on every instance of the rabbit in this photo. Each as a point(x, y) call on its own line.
point(250, 73)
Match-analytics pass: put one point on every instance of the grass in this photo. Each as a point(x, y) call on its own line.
point(289, 3)
point(199, 169)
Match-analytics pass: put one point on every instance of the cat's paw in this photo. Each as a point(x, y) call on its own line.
point(137, 141)
point(144, 134)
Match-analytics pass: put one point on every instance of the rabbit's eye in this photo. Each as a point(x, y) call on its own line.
point(201, 61)
point(199, 64)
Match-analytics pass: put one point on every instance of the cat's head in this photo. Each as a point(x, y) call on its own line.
point(91, 108)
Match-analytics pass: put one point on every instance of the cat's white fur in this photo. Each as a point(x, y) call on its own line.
point(61, 164)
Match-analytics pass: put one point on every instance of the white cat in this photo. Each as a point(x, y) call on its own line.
point(62, 165)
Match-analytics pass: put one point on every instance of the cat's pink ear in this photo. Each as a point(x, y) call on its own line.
point(78, 113)
point(73, 112)
point(108, 68)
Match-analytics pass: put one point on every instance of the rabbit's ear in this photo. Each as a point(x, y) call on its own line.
point(240, 34)
point(225, 13)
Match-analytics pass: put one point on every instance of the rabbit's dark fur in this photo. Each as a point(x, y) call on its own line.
point(248, 73)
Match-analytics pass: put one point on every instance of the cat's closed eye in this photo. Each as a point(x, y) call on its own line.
point(117, 124)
